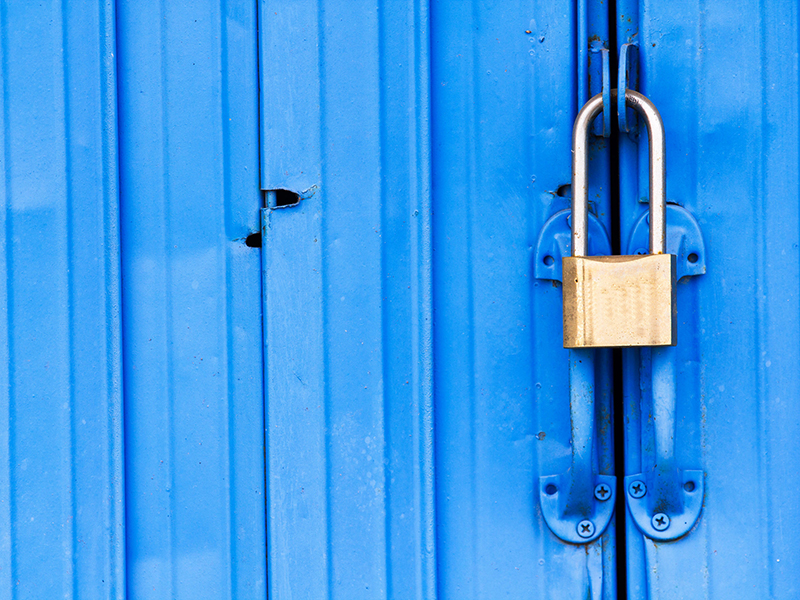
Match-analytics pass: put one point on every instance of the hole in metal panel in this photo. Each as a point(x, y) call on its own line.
point(282, 198)
point(253, 240)
point(565, 191)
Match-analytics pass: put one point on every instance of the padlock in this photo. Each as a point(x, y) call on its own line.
point(619, 301)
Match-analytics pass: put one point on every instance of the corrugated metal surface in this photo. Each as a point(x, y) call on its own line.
point(503, 105)
point(429, 143)
point(191, 300)
point(61, 499)
point(347, 305)
point(725, 79)
point(348, 299)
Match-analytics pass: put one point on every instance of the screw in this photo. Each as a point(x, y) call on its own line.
point(660, 521)
point(585, 528)
point(637, 489)
point(602, 492)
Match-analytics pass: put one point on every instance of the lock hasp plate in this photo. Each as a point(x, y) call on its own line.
point(619, 301)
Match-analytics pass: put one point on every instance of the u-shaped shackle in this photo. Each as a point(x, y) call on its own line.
point(580, 169)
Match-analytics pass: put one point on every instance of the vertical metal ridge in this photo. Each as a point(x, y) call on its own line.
point(696, 73)
point(472, 132)
point(227, 227)
point(760, 206)
point(70, 575)
point(169, 363)
point(323, 162)
point(422, 256)
point(7, 516)
point(385, 317)
point(115, 514)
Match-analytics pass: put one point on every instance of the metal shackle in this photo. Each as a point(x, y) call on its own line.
point(580, 168)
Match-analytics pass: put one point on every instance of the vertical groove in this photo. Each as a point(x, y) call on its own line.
point(618, 393)
point(471, 151)
point(262, 223)
point(115, 570)
point(69, 566)
point(694, 136)
point(423, 300)
point(170, 380)
point(229, 422)
point(762, 385)
point(385, 316)
point(324, 285)
point(9, 262)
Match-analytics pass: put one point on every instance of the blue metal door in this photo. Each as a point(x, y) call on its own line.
point(416, 387)
point(725, 78)
point(191, 319)
point(61, 488)
point(284, 314)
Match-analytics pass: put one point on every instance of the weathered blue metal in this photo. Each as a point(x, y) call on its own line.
point(732, 161)
point(188, 114)
point(399, 334)
point(347, 300)
point(503, 105)
point(61, 489)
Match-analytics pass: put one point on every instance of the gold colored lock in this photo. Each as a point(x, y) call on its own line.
point(619, 301)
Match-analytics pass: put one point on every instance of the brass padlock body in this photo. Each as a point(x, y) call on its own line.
point(619, 301)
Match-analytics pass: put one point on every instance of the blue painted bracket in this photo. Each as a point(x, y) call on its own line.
point(684, 240)
point(603, 129)
point(665, 503)
point(578, 504)
point(627, 79)
point(555, 242)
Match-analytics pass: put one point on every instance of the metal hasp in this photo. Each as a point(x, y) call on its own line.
point(627, 79)
point(666, 502)
point(577, 505)
point(684, 240)
point(555, 242)
point(619, 301)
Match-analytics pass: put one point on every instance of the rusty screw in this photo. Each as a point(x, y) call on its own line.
point(602, 492)
point(637, 489)
point(585, 528)
point(660, 521)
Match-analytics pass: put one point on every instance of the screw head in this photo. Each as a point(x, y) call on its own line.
point(637, 489)
point(585, 528)
point(602, 492)
point(660, 521)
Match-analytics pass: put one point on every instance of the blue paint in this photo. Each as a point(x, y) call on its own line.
point(684, 240)
point(61, 488)
point(347, 301)
point(189, 187)
point(555, 242)
point(732, 158)
point(501, 374)
point(363, 408)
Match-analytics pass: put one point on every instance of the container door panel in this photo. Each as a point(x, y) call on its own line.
point(504, 98)
point(410, 156)
point(61, 494)
point(731, 122)
point(190, 198)
point(347, 299)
